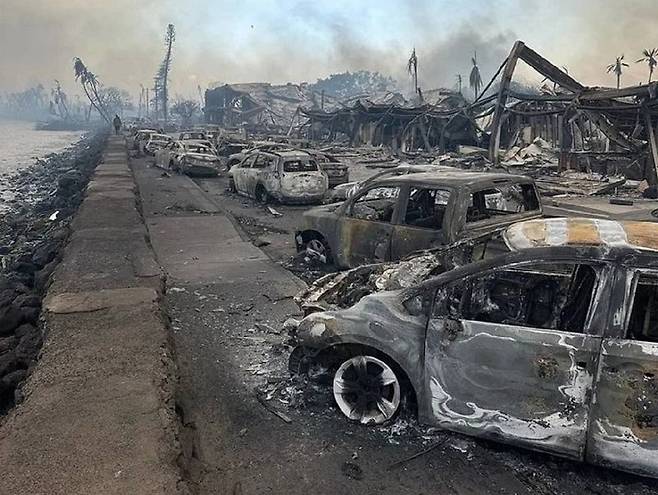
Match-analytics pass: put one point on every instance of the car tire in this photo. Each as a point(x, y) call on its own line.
point(262, 196)
point(367, 390)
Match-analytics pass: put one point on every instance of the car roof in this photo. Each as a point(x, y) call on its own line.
point(288, 153)
point(452, 177)
point(161, 136)
point(610, 235)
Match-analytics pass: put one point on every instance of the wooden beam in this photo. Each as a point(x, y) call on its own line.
point(508, 72)
point(547, 69)
point(654, 148)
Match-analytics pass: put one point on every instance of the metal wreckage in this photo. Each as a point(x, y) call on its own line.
point(541, 333)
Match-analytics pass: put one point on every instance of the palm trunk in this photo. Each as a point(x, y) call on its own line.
point(650, 74)
point(91, 100)
point(618, 80)
point(100, 104)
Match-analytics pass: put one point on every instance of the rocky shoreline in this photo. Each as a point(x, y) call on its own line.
point(33, 231)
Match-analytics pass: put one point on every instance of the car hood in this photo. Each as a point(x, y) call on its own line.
point(378, 317)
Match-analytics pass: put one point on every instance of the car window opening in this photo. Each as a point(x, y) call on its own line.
point(376, 204)
point(300, 166)
point(426, 208)
point(552, 297)
point(501, 201)
point(643, 323)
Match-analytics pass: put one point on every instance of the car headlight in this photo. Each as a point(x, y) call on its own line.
point(315, 328)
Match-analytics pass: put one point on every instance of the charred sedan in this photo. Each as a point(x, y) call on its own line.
point(553, 346)
point(285, 176)
point(391, 217)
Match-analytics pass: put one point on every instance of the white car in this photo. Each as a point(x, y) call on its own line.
point(157, 142)
point(285, 176)
point(189, 157)
point(141, 138)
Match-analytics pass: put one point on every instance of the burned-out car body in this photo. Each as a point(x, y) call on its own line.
point(191, 157)
point(264, 146)
point(157, 142)
point(337, 171)
point(285, 176)
point(390, 217)
point(553, 346)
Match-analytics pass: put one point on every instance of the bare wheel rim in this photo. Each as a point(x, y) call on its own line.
point(367, 390)
point(317, 246)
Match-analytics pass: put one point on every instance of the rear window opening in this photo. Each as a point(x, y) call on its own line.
point(300, 166)
point(643, 322)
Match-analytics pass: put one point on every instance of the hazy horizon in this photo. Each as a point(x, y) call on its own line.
point(294, 41)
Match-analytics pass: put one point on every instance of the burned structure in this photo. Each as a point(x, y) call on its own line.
point(443, 124)
point(594, 129)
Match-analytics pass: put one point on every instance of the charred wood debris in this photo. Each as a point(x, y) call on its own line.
point(573, 139)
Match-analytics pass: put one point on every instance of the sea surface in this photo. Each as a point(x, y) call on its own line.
point(21, 144)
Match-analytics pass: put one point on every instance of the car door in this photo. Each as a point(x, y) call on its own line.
point(422, 223)
point(624, 419)
point(511, 352)
point(241, 174)
point(366, 227)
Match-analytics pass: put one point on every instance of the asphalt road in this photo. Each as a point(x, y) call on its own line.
point(253, 429)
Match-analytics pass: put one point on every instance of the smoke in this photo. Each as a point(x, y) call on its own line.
point(281, 41)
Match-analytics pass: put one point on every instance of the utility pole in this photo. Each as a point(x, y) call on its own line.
point(147, 103)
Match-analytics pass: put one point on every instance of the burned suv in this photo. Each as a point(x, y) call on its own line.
point(391, 217)
point(553, 346)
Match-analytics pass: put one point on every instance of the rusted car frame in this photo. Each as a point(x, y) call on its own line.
point(555, 360)
point(350, 238)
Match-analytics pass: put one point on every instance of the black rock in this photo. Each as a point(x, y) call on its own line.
point(10, 318)
point(25, 329)
point(28, 348)
point(42, 276)
point(29, 300)
point(7, 344)
point(11, 380)
point(23, 268)
point(44, 254)
point(8, 363)
point(30, 314)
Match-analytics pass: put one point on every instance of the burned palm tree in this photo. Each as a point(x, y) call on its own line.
point(163, 73)
point(617, 68)
point(650, 58)
point(90, 85)
point(412, 69)
point(475, 79)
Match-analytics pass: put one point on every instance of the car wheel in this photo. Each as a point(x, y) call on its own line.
point(367, 390)
point(262, 195)
point(318, 248)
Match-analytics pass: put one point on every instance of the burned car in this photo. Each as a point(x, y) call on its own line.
point(193, 135)
point(285, 176)
point(552, 346)
point(190, 157)
point(140, 139)
point(265, 146)
point(157, 142)
point(390, 217)
point(337, 171)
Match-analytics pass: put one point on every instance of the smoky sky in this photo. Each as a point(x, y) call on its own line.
point(122, 41)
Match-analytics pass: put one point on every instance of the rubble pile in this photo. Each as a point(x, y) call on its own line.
point(32, 233)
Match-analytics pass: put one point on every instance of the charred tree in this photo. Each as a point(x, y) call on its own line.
point(170, 37)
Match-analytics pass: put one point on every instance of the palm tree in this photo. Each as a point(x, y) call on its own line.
point(89, 83)
point(412, 69)
point(474, 79)
point(649, 56)
point(617, 68)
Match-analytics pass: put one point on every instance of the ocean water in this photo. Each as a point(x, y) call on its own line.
point(20, 144)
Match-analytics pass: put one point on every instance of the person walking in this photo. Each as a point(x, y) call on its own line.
point(117, 124)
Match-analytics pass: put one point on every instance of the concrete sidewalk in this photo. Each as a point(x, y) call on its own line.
point(99, 416)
